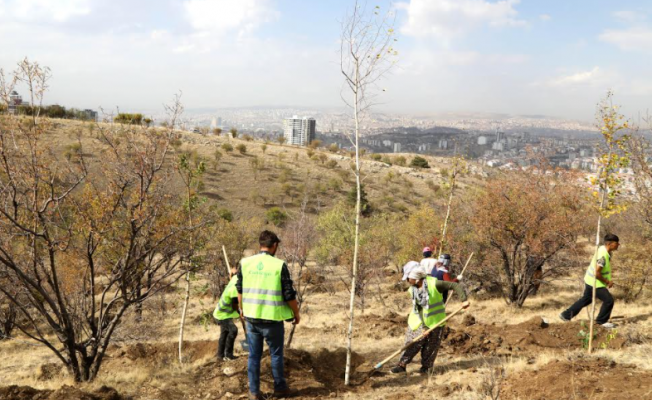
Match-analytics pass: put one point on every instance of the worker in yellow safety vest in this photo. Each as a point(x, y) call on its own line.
point(267, 299)
point(226, 310)
point(428, 308)
point(599, 271)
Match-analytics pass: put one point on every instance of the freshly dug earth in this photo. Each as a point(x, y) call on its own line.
point(530, 336)
point(380, 327)
point(64, 393)
point(596, 379)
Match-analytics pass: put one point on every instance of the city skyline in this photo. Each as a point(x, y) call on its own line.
point(466, 56)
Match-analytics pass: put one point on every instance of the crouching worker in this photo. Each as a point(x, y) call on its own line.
point(427, 310)
point(225, 312)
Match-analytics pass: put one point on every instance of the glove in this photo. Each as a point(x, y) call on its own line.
point(459, 277)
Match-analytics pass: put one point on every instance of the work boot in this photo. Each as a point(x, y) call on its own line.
point(256, 396)
point(608, 325)
point(281, 394)
point(399, 369)
point(561, 317)
point(424, 370)
point(230, 357)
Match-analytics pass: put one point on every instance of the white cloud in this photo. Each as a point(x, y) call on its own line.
point(545, 17)
point(44, 10)
point(221, 16)
point(630, 16)
point(595, 77)
point(632, 39)
point(449, 18)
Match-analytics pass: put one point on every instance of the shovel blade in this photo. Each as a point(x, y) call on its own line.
point(245, 346)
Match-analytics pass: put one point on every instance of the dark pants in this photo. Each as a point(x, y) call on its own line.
point(602, 294)
point(228, 333)
point(429, 347)
point(274, 335)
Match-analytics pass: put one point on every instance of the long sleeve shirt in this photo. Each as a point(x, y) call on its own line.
point(444, 287)
point(287, 287)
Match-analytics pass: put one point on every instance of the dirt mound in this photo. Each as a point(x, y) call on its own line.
point(163, 353)
point(529, 336)
point(316, 374)
point(380, 327)
point(64, 393)
point(596, 379)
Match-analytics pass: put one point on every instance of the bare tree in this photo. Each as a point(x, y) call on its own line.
point(366, 54)
point(459, 167)
point(190, 169)
point(82, 242)
point(299, 237)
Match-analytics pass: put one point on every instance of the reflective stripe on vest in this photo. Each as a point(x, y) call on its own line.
point(224, 310)
point(589, 277)
point(262, 295)
point(433, 312)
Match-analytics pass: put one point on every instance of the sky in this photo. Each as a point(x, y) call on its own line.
point(552, 57)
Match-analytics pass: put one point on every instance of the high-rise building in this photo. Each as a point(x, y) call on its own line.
point(299, 131)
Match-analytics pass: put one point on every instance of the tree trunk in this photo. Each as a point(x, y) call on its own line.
point(595, 271)
point(347, 374)
point(183, 316)
point(448, 212)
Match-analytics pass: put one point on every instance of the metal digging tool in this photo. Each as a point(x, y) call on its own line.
point(420, 337)
point(243, 343)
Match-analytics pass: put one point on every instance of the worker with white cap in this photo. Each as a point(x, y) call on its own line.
point(427, 310)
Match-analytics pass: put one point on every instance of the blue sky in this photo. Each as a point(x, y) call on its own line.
point(549, 57)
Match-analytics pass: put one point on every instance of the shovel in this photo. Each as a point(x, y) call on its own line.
point(243, 343)
point(423, 335)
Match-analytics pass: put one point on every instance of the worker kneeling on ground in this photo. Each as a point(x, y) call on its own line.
point(599, 271)
point(428, 309)
point(268, 298)
point(225, 312)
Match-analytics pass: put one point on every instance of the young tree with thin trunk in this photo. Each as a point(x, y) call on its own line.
point(366, 54)
point(191, 169)
point(459, 167)
point(608, 185)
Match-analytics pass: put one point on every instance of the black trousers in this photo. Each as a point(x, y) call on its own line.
point(228, 333)
point(602, 294)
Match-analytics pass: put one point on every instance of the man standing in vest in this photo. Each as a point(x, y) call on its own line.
point(267, 298)
point(602, 278)
point(428, 309)
point(225, 311)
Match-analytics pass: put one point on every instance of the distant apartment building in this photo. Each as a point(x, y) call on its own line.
point(482, 140)
point(15, 100)
point(397, 147)
point(299, 131)
point(90, 115)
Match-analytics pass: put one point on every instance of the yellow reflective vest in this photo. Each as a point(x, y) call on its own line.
point(433, 313)
point(589, 277)
point(224, 309)
point(262, 294)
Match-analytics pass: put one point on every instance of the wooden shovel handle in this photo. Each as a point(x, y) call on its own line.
point(423, 335)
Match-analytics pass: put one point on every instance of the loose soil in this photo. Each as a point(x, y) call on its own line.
point(527, 337)
point(64, 393)
point(596, 379)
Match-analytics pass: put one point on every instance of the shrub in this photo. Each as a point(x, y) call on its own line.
point(315, 144)
point(248, 138)
point(263, 148)
point(225, 214)
point(128, 118)
point(386, 160)
point(217, 131)
point(331, 164)
point(227, 147)
point(281, 140)
point(233, 132)
point(242, 149)
point(376, 157)
point(276, 216)
point(419, 162)
point(310, 152)
point(400, 161)
point(333, 148)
